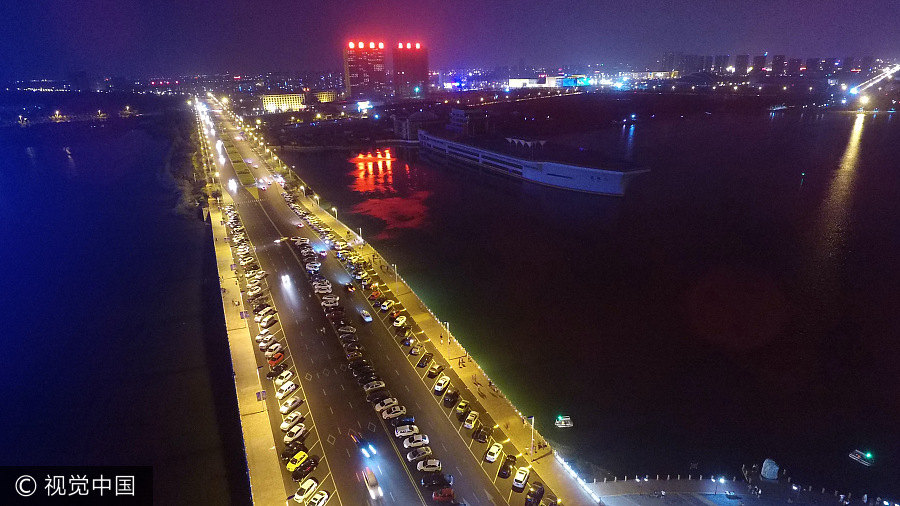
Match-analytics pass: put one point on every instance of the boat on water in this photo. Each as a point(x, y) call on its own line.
point(864, 458)
point(563, 422)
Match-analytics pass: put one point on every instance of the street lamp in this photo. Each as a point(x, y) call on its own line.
point(717, 482)
point(334, 210)
point(317, 199)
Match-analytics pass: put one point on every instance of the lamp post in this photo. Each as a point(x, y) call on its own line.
point(334, 210)
point(317, 200)
point(532, 437)
point(719, 480)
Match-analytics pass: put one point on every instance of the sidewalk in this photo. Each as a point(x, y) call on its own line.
point(511, 422)
point(263, 464)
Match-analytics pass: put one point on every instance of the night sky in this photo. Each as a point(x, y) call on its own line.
point(142, 38)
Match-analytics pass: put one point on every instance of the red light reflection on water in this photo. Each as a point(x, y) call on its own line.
point(374, 176)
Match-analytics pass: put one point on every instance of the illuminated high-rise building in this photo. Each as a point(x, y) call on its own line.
point(741, 63)
point(779, 65)
point(410, 69)
point(365, 75)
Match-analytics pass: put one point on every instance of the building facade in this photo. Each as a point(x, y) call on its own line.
point(365, 74)
point(410, 69)
point(283, 103)
point(741, 64)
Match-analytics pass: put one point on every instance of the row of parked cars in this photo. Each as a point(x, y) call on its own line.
point(297, 459)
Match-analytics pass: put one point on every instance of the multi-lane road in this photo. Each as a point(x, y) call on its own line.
point(335, 404)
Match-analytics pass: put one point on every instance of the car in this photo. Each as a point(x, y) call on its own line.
point(298, 458)
point(260, 306)
point(359, 364)
point(349, 287)
point(268, 321)
point(256, 290)
point(291, 420)
point(305, 468)
point(534, 494)
point(313, 266)
point(266, 341)
point(406, 430)
point(294, 433)
point(415, 350)
point(290, 404)
point(436, 480)
point(291, 450)
point(263, 313)
point(375, 295)
point(393, 412)
point(352, 347)
point(254, 282)
point(407, 340)
point(319, 289)
point(285, 390)
point(276, 359)
point(482, 434)
point(387, 304)
point(300, 240)
point(441, 384)
point(365, 447)
point(329, 303)
point(319, 499)
point(445, 494)
point(374, 385)
point(284, 376)
point(275, 371)
point(415, 441)
point(506, 467)
point(260, 274)
point(305, 490)
point(331, 298)
point(273, 349)
point(365, 315)
point(462, 409)
point(423, 362)
point(400, 321)
point(450, 398)
point(362, 371)
point(493, 452)
point(246, 261)
point(435, 369)
point(429, 466)
point(520, 479)
point(347, 329)
point(348, 338)
point(385, 403)
point(353, 355)
point(403, 420)
point(249, 273)
point(368, 377)
point(372, 484)
point(418, 453)
point(471, 418)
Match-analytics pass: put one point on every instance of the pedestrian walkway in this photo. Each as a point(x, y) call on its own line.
point(553, 472)
point(263, 464)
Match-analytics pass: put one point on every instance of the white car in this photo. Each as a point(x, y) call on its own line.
point(400, 321)
point(366, 316)
point(386, 403)
point(331, 298)
point(247, 260)
point(319, 499)
point(406, 430)
point(268, 321)
point(273, 349)
point(520, 479)
point(250, 273)
point(262, 335)
point(262, 314)
point(322, 288)
point(418, 453)
point(266, 341)
point(254, 282)
point(256, 290)
point(313, 266)
point(441, 384)
point(429, 466)
point(285, 390)
point(290, 404)
point(374, 385)
point(291, 420)
point(330, 303)
point(305, 490)
point(470, 420)
point(387, 305)
point(260, 274)
point(393, 412)
point(300, 240)
point(493, 452)
point(415, 441)
point(296, 432)
point(284, 376)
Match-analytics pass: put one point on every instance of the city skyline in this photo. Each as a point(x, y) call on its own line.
point(194, 40)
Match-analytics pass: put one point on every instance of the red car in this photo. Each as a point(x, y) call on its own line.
point(443, 495)
point(374, 295)
point(276, 359)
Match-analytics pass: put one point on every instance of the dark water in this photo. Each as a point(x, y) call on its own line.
point(729, 309)
point(113, 345)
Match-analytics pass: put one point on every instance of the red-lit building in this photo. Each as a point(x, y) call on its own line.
point(365, 75)
point(410, 69)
